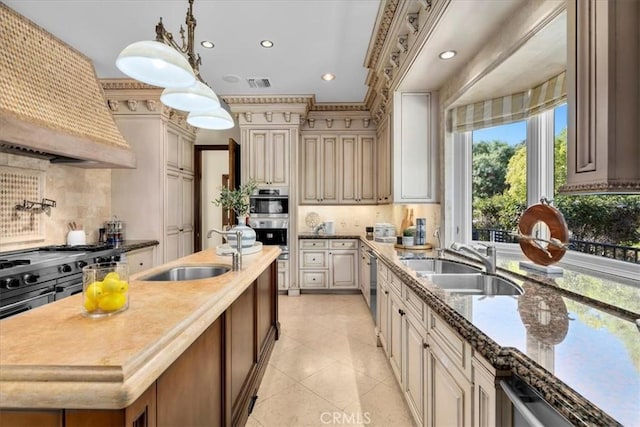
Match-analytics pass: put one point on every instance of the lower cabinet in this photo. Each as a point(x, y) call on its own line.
point(283, 275)
point(365, 275)
point(443, 382)
point(141, 259)
point(214, 382)
point(328, 263)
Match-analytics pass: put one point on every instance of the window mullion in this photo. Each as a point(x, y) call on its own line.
point(540, 157)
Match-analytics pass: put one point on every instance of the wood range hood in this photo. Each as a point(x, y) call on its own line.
point(51, 103)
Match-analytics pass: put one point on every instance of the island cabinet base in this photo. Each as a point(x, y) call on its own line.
point(214, 382)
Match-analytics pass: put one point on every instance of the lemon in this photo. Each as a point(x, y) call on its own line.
point(111, 284)
point(124, 286)
point(112, 275)
point(94, 291)
point(90, 305)
point(112, 302)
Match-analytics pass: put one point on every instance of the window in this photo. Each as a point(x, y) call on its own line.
point(509, 167)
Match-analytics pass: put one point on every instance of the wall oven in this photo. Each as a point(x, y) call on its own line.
point(273, 202)
point(272, 231)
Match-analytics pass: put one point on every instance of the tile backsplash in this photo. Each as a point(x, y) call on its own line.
point(354, 219)
point(81, 195)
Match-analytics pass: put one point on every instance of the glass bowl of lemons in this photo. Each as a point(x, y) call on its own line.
point(105, 289)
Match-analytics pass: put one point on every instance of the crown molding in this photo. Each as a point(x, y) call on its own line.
point(339, 107)
point(386, 13)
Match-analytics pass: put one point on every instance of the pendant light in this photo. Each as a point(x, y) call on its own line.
point(216, 119)
point(197, 97)
point(156, 63)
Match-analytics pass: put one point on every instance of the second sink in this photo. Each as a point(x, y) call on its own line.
point(438, 266)
point(474, 284)
point(190, 272)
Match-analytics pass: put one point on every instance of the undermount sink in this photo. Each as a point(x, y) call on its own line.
point(189, 272)
point(474, 284)
point(434, 265)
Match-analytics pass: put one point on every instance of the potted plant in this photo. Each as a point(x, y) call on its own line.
point(407, 236)
point(237, 200)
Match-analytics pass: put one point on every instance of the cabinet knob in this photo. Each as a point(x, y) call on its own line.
point(386, 292)
point(314, 279)
point(313, 259)
point(425, 345)
point(401, 312)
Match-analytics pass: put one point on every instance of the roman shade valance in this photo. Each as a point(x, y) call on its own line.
point(511, 108)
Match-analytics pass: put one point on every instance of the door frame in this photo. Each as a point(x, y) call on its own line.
point(197, 187)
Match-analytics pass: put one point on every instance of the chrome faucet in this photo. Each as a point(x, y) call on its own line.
point(439, 249)
point(489, 260)
point(236, 257)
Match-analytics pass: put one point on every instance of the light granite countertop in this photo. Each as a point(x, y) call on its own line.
point(53, 357)
point(580, 353)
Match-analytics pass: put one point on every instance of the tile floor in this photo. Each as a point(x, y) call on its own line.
point(326, 369)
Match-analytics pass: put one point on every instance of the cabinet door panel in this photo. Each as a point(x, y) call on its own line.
point(173, 208)
point(189, 392)
point(186, 219)
point(344, 272)
point(310, 163)
point(172, 246)
point(449, 392)
point(367, 166)
point(279, 170)
point(348, 168)
point(383, 313)
point(395, 336)
point(186, 154)
point(173, 149)
point(258, 155)
point(242, 342)
point(314, 259)
point(329, 172)
point(414, 368)
point(265, 307)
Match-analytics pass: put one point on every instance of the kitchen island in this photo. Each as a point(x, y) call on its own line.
point(184, 349)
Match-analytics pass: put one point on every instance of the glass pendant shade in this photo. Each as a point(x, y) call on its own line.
point(216, 119)
point(156, 63)
point(198, 97)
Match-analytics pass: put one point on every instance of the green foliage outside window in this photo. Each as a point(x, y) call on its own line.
point(613, 219)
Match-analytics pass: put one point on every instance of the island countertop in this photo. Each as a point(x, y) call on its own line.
point(54, 357)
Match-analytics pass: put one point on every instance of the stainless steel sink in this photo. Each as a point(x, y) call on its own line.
point(434, 265)
point(474, 284)
point(188, 272)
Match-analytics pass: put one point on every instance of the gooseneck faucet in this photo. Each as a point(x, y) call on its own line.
point(489, 260)
point(236, 257)
point(439, 249)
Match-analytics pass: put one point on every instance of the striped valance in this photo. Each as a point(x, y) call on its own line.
point(511, 108)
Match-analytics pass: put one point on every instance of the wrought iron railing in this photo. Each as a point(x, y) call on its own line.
point(606, 250)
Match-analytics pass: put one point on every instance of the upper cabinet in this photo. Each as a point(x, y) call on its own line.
point(603, 65)
point(319, 168)
point(268, 157)
point(415, 148)
point(357, 160)
point(384, 162)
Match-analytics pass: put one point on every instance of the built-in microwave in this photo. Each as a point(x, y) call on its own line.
point(269, 201)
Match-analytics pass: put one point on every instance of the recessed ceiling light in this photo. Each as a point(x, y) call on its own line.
point(328, 76)
point(207, 44)
point(266, 43)
point(448, 54)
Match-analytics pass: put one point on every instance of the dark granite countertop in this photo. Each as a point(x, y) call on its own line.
point(328, 236)
point(580, 353)
point(132, 245)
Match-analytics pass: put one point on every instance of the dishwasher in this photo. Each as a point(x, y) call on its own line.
point(529, 408)
point(373, 271)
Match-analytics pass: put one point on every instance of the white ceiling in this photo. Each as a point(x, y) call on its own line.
point(311, 37)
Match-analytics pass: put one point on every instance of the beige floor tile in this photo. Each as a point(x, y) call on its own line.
point(371, 361)
point(274, 381)
point(252, 422)
point(339, 384)
point(383, 406)
point(295, 407)
point(299, 362)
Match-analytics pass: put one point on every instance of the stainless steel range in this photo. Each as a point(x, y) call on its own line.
point(34, 277)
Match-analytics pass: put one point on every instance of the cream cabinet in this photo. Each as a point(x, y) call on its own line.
point(394, 337)
point(338, 169)
point(268, 157)
point(383, 303)
point(358, 180)
point(320, 169)
point(414, 364)
point(283, 274)
point(384, 162)
point(156, 199)
point(603, 97)
point(415, 147)
point(328, 264)
point(141, 259)
point(365, 274)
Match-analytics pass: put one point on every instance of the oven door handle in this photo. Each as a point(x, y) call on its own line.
point(28, 300)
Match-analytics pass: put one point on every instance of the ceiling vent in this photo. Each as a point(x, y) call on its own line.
point(259, 82)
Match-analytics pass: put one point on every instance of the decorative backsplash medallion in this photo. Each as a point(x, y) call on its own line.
point(16, 185)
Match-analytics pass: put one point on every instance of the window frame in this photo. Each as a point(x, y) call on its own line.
point(540, 179)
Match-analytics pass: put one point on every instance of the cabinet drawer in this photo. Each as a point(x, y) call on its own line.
point(313, 259)
point(314, 244)
point(395, 284)
point(456, 349)
point(414, 304)
point(313, 279)
point(282, 265)
point(343, 244)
